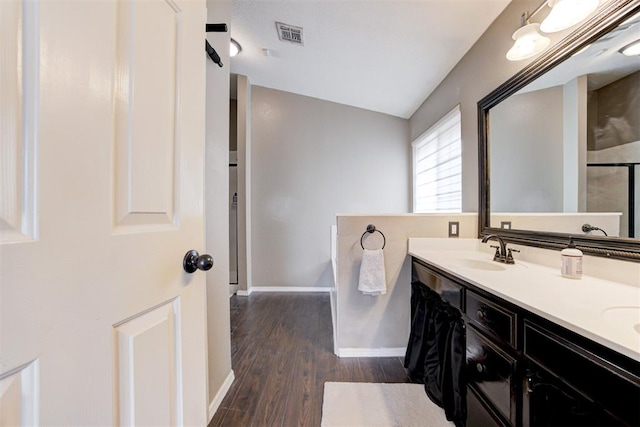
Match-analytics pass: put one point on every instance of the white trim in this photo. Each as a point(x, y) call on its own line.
point(454, 110)
point(289, 289)
point(372, 352)
point(233, 289)
point(222, 392)
point(333, 296)
point(243, 293)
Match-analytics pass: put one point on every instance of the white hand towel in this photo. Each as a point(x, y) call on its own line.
point(372, 280)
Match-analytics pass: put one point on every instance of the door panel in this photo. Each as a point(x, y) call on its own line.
point(18, 69)
point(19, 396)
point(148, 378)
point(11, 116)
point(81, 294)
point(147, 48)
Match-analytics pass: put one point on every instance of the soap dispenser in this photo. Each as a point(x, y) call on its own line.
point(571, 258)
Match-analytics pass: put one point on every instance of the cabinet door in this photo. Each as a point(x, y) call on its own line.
point(612, 387)
point(550, 402)
point(480, 414)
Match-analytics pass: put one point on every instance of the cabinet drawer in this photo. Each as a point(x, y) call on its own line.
point(491, 318)
point(449, 291)
point(616, 390)
point(491, 372)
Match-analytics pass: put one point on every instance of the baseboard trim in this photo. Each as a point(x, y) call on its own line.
point(233, 289)
point(243, 293)
point(222, 392)
point(289, 289)
point(372, 352)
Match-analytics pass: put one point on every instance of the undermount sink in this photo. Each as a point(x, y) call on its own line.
point(477, 264)
point(623, 317)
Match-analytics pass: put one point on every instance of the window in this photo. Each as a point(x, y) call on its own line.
point(437, 166)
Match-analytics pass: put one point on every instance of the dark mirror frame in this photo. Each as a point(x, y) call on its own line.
point(605, 19)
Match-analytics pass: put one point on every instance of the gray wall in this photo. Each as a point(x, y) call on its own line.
point(311, 160)
point(521, 149)
point(481, 70)
point(243, 89)
point(233, 125)
point(379, 326)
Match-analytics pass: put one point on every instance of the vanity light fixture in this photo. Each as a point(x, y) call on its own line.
point(234, 48)
point(528, 42)
point(632, 49)
point(567, 13)
point(564, 14)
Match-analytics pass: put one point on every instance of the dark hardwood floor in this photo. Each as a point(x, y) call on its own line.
point(282, 354)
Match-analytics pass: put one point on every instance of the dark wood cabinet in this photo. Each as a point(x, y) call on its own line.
point(608, 391)
point(492, 360)
point(524, 370)
point(480, 413)
point(492, 318)
point(491, 373)
point(448, 290)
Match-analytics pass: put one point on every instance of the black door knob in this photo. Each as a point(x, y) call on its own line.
point(194, 261)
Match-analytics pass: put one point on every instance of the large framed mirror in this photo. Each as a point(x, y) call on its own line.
point(561, 140)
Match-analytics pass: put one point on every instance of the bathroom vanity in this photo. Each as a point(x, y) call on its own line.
point(541, 350)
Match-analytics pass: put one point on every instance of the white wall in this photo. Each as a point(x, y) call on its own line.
point(311, 159)
point(574, 151)
point(216, 208)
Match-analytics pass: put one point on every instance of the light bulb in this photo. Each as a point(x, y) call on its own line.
point(567, 13)
point(632, 49)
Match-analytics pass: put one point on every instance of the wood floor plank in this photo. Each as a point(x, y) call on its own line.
point(282, 355)
point(218, 417)
point(393, 370)
point(300, 408)
point(370, 370)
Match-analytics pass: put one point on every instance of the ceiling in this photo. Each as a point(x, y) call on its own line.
point(380, 55)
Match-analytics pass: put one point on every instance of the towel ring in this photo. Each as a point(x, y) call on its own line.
point(372, 229)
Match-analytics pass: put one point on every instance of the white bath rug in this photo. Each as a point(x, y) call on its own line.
point(379, 405)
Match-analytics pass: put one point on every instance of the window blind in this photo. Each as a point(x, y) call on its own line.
point(437, 166)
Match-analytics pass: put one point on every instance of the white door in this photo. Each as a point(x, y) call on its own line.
point(101, 186)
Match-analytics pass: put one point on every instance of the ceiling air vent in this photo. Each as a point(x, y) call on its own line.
point(289, 33)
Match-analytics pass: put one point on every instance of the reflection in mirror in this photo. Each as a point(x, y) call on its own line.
point(567, 145)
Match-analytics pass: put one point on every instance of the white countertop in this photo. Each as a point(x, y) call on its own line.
point(604, 311)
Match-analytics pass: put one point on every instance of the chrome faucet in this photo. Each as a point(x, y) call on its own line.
point(502, 253)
